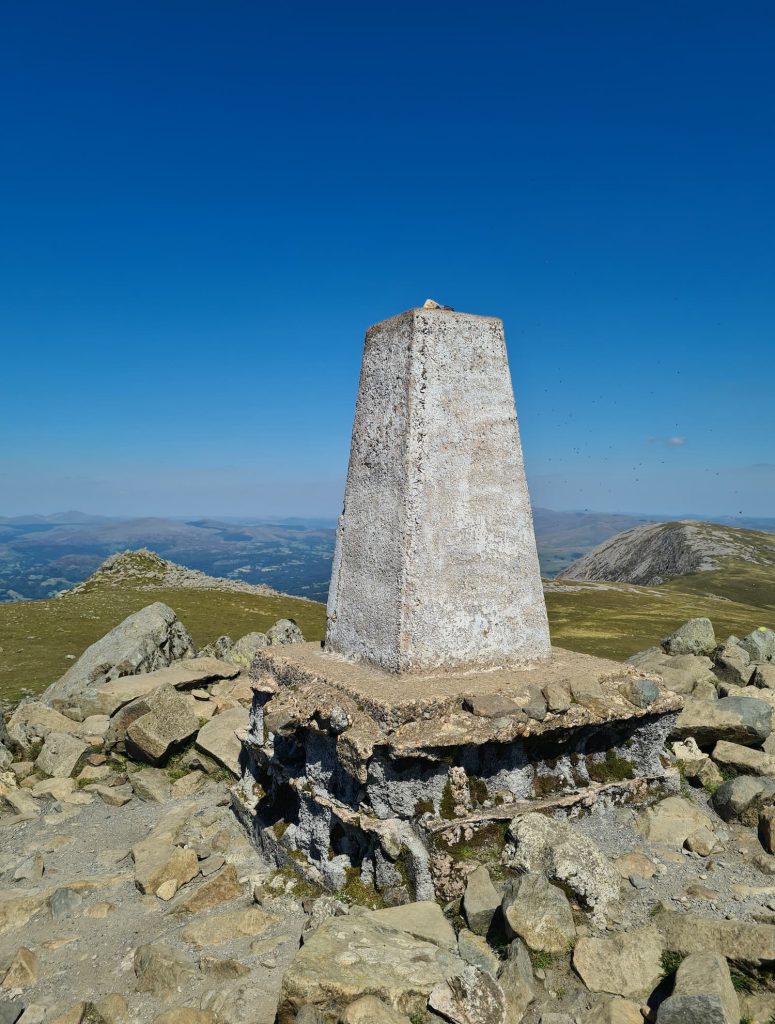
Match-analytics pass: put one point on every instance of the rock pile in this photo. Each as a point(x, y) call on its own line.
point(129, 894)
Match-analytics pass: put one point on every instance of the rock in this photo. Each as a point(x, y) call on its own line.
point(16, 910)
point(384, 962)
point(628, 964)
point(186, 1015)
point(703, 993)
point(472, 997)
point(491, 705)
point(558, 696)
point(188, 784)
point(60, 755)
point(157, 862)
point(111, 1009)
point(30, 869)
point(702, 842)
point(11, 1011)
point(635, 863)
point(767, 828)
point(615, 1011)
point(113, 796)
point(31, 722)
point(24, 970)
point(703, 773)
point(151, 785)
point(370, 1010)
point(742, 798)
point(218, 738)
point(212, 930)
point(219, 648)
point(63, 902)
point(764, 677)
point(165, 728)
point(218, 888)
point(481, 901)
point(475, 950)
point(671, 821)
point(284, 631)
point(733, 663)
point(565, 856)
point(20, 801)
point(760, 644)
point(109, 697)
point(739, 941)
point(423, 920)
point(539, 913)
point(743, 720)
point(516, 980)
point(743, 759)
point(694, 637)
point(144, 641)
point(758, 1008)
point(244, 650)
point(640, 692)
point(163, 971)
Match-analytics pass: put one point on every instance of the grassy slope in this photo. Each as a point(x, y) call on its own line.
point(36, 636)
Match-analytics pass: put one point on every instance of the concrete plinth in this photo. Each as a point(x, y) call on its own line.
point(348, 772)
point(436, 563)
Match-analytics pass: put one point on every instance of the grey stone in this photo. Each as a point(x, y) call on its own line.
point(481, 900)
point(516, 980)
point(627, 964)
point(476, 951)
point(743, 942)
point(733, 663)
point(63, 902)
point(671, 821)
point(423, 919)
point(369, 1010)
point(760, 644)
point(640, 692)
point(538, 843)
point(742, 798)
point(219, 739)
point(284, 631)
point(471, 997)
point(151, 785)
point(384, 962)
point(694, 637)
point(244, 650)
point(743, 720)
point(218, 648)
point(144, 641)
point(539, 913)
point(165, 728)
point(764, 677)
point(60, 755)
point(436, 454)
point(703, 993)
point(162, 971)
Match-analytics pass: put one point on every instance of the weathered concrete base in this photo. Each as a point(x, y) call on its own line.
point(351, 775)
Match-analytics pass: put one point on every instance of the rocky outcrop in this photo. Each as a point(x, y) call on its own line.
point(650, 555)
point(147, 640)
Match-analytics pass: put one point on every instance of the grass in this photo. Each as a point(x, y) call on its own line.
point(37, 636)
point(671, 962)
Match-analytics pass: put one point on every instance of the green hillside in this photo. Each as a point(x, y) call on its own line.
point(36, 637)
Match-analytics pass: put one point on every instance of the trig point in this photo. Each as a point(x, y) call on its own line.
point(436, 563)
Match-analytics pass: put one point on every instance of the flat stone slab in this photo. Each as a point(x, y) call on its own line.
point(190, 672)
point(411, 708)
point(219, 738)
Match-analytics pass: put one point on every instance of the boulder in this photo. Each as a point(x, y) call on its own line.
point(671, 821)
point(760, 644)
point(144, 641)
point(481, 901)
point(23, 971)
point(215, 929)
point(763, 677)
point(219, 648)
point(733, 663)
point(475, 950)
point(284, 631)
point(424, 920)
point(539, 913)
point(742, 798)
point(628, 964)
point(151, 785)
point(244, 650)
point(220, 887)
point(517, 981)
point(157, 862)
point(114, 694)
point(163, 971)
point(60, 754)
point(536, 843)
point(767, 828)
point(167, 725)
point(694, 637)
point(703, 993)
point(31, 722)
point(681, 674)
point(471, 997)
point(744, 760)
point(615, 1011)
point(218, 738)
point(384, 962)
point(743, 720)
point(741, 942)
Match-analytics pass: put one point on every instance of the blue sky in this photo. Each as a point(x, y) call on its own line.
point(203, 205)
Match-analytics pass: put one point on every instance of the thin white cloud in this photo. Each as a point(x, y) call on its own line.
point(675, 441)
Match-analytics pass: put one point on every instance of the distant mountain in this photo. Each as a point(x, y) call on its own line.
point(704, 558)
